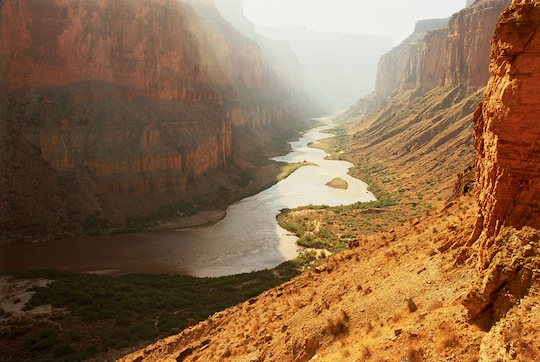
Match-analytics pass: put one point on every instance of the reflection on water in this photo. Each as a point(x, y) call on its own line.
point(247, 239)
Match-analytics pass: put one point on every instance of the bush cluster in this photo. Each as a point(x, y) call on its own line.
point(94, 313)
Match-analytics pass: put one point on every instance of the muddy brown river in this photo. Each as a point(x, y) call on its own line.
point(247, 239)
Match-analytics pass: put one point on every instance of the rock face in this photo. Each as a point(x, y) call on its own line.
point(427, 90)
point(507, 127)
point(467, 58)
point(506, 140)
point(123, 99)
point(153, 50)
point(443, 52)
point(398, 67)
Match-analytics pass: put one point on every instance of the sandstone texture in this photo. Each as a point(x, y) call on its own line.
point(506, 134)
point(112, 110)
point(507, 124)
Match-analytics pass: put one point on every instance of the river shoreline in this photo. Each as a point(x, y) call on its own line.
point(200, 219)
point(243, 238)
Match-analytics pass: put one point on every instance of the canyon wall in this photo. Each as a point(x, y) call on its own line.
point(419, 117)
point(506, 135)
point(339, 68)
point(396, 66)
point(122, 100)
point(159, 50)
point(443, 52)
point(507, 125)
point(467, 57)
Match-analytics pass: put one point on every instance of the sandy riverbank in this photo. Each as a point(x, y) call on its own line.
point(203, 218)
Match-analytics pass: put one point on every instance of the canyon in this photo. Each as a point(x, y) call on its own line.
point(418, 119)
point(114, 114)
point(442, 266)
point(338, 68)
point(456, 283)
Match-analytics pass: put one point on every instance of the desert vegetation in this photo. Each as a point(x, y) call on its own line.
point(83, 316)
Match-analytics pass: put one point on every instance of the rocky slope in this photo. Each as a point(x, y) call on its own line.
point(405, 294)
point(427, 90)
point(112, 110)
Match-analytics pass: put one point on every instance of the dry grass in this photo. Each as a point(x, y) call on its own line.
point(361, 309)
point(339, 325)
point(447, 337)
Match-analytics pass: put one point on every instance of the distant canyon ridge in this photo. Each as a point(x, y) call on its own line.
point(339, 68)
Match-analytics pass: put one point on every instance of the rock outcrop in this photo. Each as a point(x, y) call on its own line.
point(127, 99)
point(506, 138)
point(507, 127)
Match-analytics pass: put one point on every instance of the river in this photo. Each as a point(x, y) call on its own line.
point(247, 239)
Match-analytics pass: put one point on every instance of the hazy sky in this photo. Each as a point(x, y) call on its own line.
point(393, 18)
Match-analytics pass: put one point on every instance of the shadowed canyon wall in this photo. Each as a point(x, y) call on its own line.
point(119, 100)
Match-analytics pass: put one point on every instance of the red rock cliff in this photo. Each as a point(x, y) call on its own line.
point(158, 49)
point(469, 35)
point(124, 98)
point(507, 123)
point(507, 144)
point(441, 53)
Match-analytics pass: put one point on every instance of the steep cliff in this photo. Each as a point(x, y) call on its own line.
point(427, 90)
point(506, 139)
point(124, 105)
point(467, 57)
point(398, 65)
point(443, 52)
point(507, 127)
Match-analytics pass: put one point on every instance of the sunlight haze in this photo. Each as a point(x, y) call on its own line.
point(392, 18)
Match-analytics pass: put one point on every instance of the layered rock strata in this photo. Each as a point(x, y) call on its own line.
point(128, 99)
point(443, 52)
point(506, 140)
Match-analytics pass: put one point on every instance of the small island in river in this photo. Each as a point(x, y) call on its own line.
point(338, 183)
